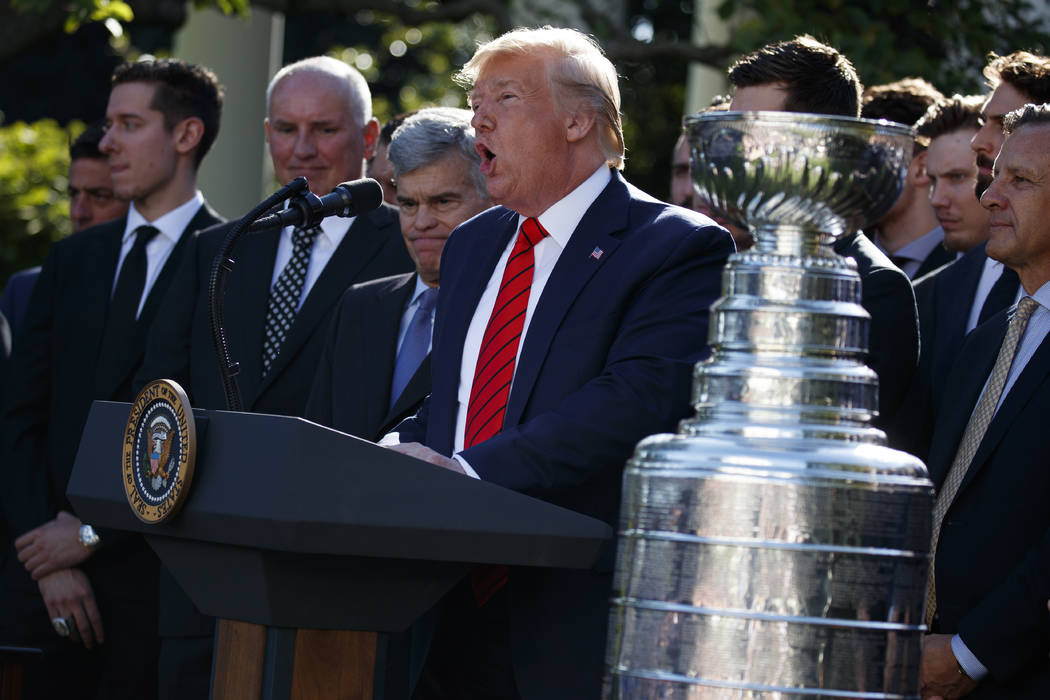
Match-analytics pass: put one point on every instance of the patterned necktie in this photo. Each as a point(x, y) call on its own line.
point(284, 297)
point(1002, 295)
point(974, 433)
point(415, 344)
point(499, 346)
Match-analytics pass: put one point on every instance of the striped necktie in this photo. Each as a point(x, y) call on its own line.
point(975, 429)
point(499, 346)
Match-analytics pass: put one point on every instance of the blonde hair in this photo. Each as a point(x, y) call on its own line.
point(581, 74)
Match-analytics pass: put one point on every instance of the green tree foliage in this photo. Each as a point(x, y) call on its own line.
point(944, 41)
point(34, 209)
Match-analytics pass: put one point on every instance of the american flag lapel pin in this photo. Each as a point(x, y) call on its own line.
point(597, 253)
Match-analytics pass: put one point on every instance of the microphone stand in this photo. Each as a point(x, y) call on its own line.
point(299, 193)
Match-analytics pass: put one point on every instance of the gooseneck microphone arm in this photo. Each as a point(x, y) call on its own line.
point(305, 210)
point(220, 269)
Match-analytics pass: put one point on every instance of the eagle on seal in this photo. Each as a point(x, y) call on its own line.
point(160, 434)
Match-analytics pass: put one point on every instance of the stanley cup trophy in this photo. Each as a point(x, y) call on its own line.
point(775, 547)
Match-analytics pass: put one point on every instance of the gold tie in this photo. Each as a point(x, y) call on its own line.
point(974, 433)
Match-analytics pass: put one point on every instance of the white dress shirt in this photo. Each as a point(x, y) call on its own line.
point(171, 227)
point(989, 276)
point(560, 220)
point(333, 229)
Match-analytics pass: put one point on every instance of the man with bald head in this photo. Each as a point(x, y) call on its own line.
point(319, 125)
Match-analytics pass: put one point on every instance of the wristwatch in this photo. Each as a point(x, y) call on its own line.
point(88, 537)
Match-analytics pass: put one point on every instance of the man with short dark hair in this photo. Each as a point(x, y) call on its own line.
point(91, 196)
point(909, 232)
point(803, 75)
point(280, 297)
point(990, 569)
point(83, 339)
point(91, 202)
point(947, 128)
point(969, 291)
point(800, 75)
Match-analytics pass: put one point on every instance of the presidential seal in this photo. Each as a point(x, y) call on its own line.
point(160, 449)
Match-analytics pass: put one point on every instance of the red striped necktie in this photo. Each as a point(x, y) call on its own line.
point(499, 346)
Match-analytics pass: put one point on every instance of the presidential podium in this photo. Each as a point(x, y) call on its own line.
point(306, 542)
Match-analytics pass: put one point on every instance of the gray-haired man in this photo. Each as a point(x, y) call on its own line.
point(375, 369)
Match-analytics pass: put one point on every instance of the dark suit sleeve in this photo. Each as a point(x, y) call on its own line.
point(170, 337)
point(643, 389)
point(1009, 629)
point(911, 426)
point(25, 488)
point(894, 337)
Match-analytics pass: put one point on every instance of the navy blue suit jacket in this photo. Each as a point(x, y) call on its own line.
point(993, 557)
point(607, 360)
point(15, 299)
point(944, 298)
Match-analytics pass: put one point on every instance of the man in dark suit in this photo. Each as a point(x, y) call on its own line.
point(371, 374)
point(991, 573)
point(83, 339)
point(91, 202)
point(942, 300)
point(956, 298)
point(803, 75)
point(605, 292)
point(320, 126)
point(909, 232)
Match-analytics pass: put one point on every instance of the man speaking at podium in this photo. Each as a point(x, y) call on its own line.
point(566, 330)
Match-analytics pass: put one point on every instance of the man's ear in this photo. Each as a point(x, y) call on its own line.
point(578, 124)
point(371, 134)
point(188, 134)
point(917, 171)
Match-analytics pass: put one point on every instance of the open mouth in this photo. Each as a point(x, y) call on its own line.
point(487, 157)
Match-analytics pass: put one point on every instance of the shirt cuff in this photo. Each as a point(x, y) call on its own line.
point(466, 467)
point(969, 663)
point(390, 439)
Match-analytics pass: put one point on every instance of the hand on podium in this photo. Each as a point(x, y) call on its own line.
point(52, 546)
point(414, 449)
point(68, 594)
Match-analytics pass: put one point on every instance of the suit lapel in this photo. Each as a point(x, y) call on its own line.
point(937, 257)
point(100, 274)
point(204, 218)
point(249, 294)
point(415, 391)
point(1027, 383)
point(452, 322)
point(575, 267)
point(377, 351)
point(960, 299)
point(358, 247)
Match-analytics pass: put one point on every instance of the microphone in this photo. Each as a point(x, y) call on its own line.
point(306, 210)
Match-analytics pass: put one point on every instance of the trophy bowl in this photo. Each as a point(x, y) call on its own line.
point(764, 170)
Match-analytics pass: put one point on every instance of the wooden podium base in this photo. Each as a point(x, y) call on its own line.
point(253, 662)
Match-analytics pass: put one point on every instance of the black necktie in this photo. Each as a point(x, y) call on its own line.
point(1002, 295)
point(122, 314)
point(124, 305)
